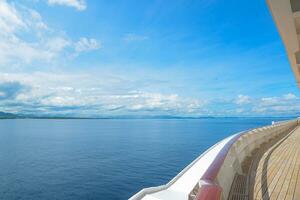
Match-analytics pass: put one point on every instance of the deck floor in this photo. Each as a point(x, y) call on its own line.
point(277, 172)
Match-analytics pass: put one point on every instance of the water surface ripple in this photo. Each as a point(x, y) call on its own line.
point(102, 159)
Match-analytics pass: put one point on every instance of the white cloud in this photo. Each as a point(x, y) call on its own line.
point(290, 96)
point(16, 21)
point(2, 94)
point(57, 44)
point(240, 110)
point(283, 105)
point(163, 102)
point(134, 37)
point(107, 94)
point(269, 101)
point(10, 19)
point(288, 104)
point(242, 99)
point(26, 38)
point(94, 94)
point(86, 44)
point(78, 4)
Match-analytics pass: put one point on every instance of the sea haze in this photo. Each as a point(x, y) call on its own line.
point(104, 158)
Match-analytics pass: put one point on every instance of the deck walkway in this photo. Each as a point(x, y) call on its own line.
point(276, 174)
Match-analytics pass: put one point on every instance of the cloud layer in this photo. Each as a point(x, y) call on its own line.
point(109, 95)
point(83, 94)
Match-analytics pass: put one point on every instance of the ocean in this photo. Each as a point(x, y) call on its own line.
point(107, 159)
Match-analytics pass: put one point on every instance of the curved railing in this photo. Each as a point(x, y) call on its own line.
point(203, 159)
point(208, 189)
point(210, 176)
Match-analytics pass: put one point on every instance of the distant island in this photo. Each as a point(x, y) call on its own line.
point(6, 115)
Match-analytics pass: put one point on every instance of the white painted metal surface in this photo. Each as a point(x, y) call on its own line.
point(180, 186)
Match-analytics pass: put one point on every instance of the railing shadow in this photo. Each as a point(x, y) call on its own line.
point(271, 145)
point(264, 178)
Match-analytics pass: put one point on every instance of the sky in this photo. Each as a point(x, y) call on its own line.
point(95, 58)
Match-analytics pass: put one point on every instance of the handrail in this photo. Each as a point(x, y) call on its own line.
point(208, 189)
point(211, 186)
point(206, 185)
point(149, 190)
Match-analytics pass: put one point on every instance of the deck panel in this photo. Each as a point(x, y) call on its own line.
point(263, 178)
point(277, 175)
point(272, 163)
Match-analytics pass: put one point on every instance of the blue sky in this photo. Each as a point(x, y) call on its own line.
point(108, 58)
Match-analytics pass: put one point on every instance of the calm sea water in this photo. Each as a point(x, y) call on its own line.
point(102, 159)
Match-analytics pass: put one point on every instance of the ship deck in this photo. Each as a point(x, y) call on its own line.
point(272, 173)
point(259, 164)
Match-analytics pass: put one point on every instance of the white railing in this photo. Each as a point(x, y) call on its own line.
point(241, 146)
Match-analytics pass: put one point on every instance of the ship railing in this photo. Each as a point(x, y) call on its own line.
point(211, 175)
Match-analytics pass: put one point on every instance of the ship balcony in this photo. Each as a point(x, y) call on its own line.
point(262, 163)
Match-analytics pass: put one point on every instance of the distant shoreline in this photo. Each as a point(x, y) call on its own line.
point(4, 115)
